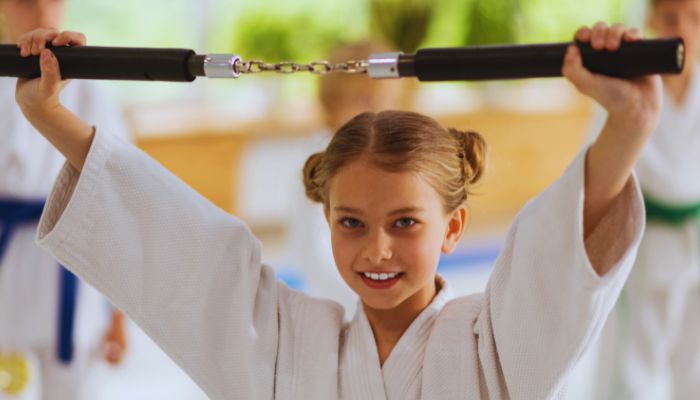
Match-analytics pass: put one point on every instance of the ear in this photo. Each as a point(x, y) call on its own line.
point(455, 229)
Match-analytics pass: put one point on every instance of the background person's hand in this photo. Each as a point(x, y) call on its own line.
point(114, 342)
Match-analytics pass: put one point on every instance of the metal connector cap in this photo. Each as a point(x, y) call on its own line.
point(383, 66)
point(221, 66)
point(680, 55)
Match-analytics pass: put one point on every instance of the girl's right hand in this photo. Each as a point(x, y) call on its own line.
point(40, 96)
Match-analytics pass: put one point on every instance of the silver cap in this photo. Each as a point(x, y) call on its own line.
point(221, 66)
point(383, 66)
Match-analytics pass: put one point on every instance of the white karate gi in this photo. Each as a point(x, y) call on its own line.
point(655, 330)
point(29, 276)
point(191, 276)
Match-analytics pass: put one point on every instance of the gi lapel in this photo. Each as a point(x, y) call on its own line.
point(360, 373)
point(403, 369)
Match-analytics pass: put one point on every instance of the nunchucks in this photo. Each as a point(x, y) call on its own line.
point(633, 59)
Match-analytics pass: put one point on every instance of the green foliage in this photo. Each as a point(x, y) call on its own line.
point(492, 22)
point(135, 23)
point(274, 37)
point(402, 23)
point(544, 21)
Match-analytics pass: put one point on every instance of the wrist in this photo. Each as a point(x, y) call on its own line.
point(65, 131)
point(44, 112)
point(636, 122)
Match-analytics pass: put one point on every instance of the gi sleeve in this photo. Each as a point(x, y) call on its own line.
point(545, 304)
point(187, 272)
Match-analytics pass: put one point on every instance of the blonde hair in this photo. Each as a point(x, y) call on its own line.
point(450, 160)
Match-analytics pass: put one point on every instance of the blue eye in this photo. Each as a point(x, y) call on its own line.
point(404, 223)
point(351, 223)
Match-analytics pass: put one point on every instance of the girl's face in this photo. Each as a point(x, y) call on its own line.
point(671, 18)
point(22, 16)
point(388, 230)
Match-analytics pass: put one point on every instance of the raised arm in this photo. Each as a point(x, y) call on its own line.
point(187, 272)
point(570, 250)
point(633, 111)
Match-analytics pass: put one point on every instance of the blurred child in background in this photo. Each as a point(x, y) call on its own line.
point(654, 331)
point(50, 325)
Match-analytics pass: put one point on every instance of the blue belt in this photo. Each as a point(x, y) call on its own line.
point(14, 213)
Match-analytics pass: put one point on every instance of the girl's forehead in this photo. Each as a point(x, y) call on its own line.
point(364, 185)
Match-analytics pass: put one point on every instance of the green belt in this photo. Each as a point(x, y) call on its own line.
point(671, 214)
point(661, 212)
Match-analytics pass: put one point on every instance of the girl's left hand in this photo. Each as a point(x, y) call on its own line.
point(637, 101)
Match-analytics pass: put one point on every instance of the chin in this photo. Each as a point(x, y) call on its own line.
point(381, 303)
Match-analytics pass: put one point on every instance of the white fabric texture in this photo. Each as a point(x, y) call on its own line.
point(668, 171)
point(654, 331)
point(191, 276)
point(29, 276)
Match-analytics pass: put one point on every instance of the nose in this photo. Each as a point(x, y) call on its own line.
point(378, 247)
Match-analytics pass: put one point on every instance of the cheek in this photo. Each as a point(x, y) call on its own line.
point(421, 252)
point(344, 251)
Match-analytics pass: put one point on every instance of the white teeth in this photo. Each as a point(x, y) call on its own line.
point(380, 277)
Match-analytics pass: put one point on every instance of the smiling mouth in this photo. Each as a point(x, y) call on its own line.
point(380, 280)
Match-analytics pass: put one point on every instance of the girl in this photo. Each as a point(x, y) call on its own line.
point(39, 324)
point(394, 187)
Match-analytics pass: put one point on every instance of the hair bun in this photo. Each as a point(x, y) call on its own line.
point(473, 154)
point(312, 186)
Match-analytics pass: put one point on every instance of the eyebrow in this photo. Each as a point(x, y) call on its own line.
point(405, 210)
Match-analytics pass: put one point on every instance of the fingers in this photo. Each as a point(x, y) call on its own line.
point(575, 72)
point(50, 72)
point(68, 38)
point(613, 37)
point(598, 36)
point(604, 37)
point(34, 42)
point(113, 352)
point(633, 34)
point(114, 348)
point(583, 34)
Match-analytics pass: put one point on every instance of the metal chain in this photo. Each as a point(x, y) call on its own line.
point(286, 67)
